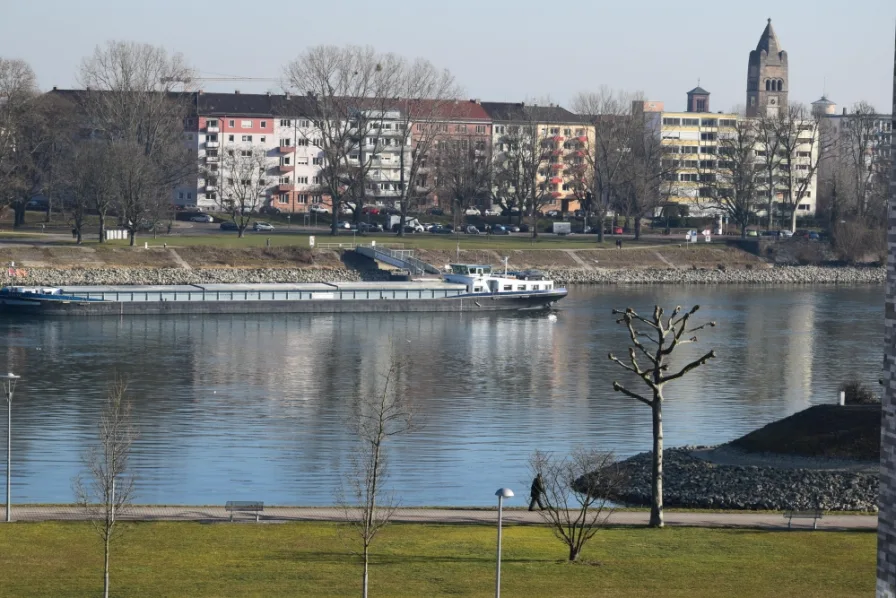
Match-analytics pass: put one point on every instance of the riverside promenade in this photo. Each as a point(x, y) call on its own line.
point(274, 514)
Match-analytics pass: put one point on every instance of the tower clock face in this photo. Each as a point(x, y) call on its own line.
point(772, 101)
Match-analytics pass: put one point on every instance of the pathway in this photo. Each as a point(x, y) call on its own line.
point(462, 516)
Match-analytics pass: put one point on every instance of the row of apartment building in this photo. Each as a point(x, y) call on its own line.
point(280, 130)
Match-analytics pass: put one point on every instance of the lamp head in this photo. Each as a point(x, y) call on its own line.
point(504, 493)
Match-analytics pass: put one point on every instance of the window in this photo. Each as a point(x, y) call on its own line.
point(190, 136)
point(230, 138)
point(710, 122)
point(707, 136)
point(727, 123)
point(567, 132)
point(301, 180)
point(672, 122)
point(315, 180)
point(303, 198)
point(690, 122)
point(318, 161)
point(245, 124)
point(499, 129)
point(212, 137)
point(690, 178)
point(707, 163)
point(461, 128)
point(555, 130)
point(212, 122)
point(189, 196)
point(283, 198)
point(284, 161)
point(230, 123)
point(247, 138)
point(262, 139)
point(708, 149)
point(480, 128)
point(246, 153)
point(285, 142)
point(317, 142)
point(302, 143)
point(264, 124)
point(212, 153)
point(285, 123)
point(689, 149)
point(284, 180)
point(180, 195)
point(353, 156)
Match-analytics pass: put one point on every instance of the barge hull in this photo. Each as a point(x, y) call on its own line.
point(326, 306)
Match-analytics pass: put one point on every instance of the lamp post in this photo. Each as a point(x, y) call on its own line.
point(502, 493)
point(11, 380)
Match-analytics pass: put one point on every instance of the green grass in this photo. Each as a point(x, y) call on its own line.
point(315, 559)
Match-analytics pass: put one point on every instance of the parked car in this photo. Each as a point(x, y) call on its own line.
point(785, 233)
point(370, 227)
point(552, 213)
point(372, 210)
point(262, 226)
point(316, 208)
point(513, 229)
point(229, 225)
point(471, 230)
point(269, 210)
point(201, 218)
point(813, 236)
point(614, 230)
point(440, 230)
point(499, 230)
point(344, 224)
point(490, 212)
point(523, 228)
point(752, 233)
point(472, 212)
point(436, 211)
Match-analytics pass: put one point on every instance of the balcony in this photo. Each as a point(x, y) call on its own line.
point(286, 187)
point(287, 149)
point(211, 187)
point(556, 180)
point(212, 144)
point(558, 138)
point(557, 166)
point(212, 129)
point(212, 159)
point(287, 168)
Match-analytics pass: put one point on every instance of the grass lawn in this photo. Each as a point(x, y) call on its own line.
point(315, 559)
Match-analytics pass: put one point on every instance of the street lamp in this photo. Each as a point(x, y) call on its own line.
point(502, 493)
point(11, 380)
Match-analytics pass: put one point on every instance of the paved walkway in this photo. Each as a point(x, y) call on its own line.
point(469, 516)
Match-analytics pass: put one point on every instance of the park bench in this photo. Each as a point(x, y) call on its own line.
point(244, 506)
point(813, 514)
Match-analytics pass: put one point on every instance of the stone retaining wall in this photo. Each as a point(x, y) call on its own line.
point(119, 276)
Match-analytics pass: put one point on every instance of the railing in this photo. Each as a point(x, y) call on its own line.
point(400, 258)
point(356, 245)
point(304, 295)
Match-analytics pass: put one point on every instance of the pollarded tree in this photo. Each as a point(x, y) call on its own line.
point(655, 339)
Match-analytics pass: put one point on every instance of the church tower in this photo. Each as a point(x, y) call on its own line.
point(767, 83)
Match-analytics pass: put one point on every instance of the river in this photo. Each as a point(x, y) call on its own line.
point(258, 407)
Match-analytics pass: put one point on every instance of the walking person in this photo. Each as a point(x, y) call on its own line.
point(536, 492)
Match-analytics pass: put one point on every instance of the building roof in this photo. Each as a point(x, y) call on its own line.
point(768, 41)
point(698, 91)
point(467, 110)
point(520, 111)
point(823, 101)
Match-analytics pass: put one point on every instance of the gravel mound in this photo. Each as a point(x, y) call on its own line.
point(692, 482)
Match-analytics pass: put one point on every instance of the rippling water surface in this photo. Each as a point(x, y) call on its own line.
point(256, 407)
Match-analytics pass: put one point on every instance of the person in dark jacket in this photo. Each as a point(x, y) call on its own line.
point(536, 493)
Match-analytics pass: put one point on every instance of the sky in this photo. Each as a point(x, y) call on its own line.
point(498, 50)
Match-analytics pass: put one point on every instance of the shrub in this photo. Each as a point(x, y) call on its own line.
point(858, 394)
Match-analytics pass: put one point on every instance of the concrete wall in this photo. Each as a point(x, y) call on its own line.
point(886, 538)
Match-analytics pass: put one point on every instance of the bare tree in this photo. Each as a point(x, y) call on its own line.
point(426, 98)
point(379, 418)
point(352, 90)
point(662, 338)
point(108, 490)
point(463, 173)
point(133, 102)
point(768, 139)
point(610, 113)
point(576, 491)
point(18, 93)
point(859, 148)
point(733, 187)
point(242, 183)
point(800, 152)
point(88, 184)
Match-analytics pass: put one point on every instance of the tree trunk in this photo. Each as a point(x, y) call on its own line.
point(106, 565)
point(573, 554)
point(133, 235)
point(743, 230)
point(637, 229)
point(656, 506)
point(240, 233)
point(364, 583)
point(793, 220)
point(102, 227)
point(18, 214)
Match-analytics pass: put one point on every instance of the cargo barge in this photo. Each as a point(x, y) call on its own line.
point(467, 288)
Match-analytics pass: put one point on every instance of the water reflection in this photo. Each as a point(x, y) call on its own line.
point(256, 406)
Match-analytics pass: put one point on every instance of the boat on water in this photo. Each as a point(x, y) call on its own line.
point(465, 288)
